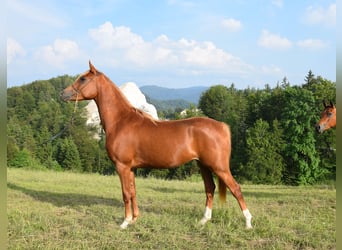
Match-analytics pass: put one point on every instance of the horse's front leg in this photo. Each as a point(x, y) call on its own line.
point(125, 175)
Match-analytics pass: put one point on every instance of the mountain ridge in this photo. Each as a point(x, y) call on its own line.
point(189, 94)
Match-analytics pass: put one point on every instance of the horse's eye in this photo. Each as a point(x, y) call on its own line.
point(82, 79)
point(329, 114)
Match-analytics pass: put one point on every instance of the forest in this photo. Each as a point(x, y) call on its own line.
point(273, 131)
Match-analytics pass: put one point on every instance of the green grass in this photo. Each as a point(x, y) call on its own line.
point(59, 210)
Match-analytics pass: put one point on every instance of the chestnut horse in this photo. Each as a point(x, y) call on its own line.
point(134, 139)
point(328, 118)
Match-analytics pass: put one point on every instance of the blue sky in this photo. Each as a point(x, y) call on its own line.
point(172, 43)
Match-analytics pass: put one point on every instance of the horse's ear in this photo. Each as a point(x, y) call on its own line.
point(92, 68)
point(332, 104)
point(325, 105)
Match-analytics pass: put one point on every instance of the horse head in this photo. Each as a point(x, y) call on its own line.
point(84, 87)
point(328, 118)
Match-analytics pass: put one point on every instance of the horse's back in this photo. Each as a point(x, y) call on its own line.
point(198, 128)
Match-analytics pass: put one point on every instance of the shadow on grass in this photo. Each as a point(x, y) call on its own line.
point(266, 195)
point(248, 193)
point(66, 199)
point(175, 190)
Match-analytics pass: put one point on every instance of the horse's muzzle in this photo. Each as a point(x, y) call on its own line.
point(66, 95)
point(319, 128)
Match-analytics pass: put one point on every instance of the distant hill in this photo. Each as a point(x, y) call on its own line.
point(191, 94)
point(166, 105)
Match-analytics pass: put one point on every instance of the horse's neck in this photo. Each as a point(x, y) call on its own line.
point(112, 105)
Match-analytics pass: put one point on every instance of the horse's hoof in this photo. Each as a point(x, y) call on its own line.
point(204, 221)
point(125, 224)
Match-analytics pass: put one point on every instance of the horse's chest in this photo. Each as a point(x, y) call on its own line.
point(121, 146)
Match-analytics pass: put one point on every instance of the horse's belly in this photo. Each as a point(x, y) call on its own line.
point(167, 155)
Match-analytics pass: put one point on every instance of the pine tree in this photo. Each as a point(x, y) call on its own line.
point(67, 155)
point(309, 79)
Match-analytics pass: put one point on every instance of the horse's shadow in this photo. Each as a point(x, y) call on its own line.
point(66, 199)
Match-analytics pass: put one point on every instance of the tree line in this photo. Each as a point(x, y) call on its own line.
point(273, 135)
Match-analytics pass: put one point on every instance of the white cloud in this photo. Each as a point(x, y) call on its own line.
point(14, 49)
point(312, 44)
point(207, 55)
point(320, 15)
point(58, 53)
point(109, 37)
point(130, 47)
point(273, 41)
point(232, 24)
point(183, 54)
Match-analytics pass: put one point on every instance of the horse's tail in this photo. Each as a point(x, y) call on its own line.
point(222, 185)
point(222, 191)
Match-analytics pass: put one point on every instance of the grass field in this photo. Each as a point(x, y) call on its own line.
point(59, 210)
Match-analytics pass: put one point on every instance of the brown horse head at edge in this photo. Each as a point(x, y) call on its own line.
point(328, 118)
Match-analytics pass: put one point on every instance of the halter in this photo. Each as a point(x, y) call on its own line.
point(78, 92)
point(328, 113)
point(326, 107)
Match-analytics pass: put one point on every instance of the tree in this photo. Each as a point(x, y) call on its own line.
point(67, 155)
point(36, 113)
point(21, 160)
point(323, 89)
point(24, 159)
point(12, 148)
point(192, 111)
point(285, 83)
point(264, 145)
point(214, 102)
point(300, 153)
point(309, 80)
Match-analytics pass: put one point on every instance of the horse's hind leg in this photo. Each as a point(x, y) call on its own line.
point(134, 197)
point(209, 186)
point(235, 189)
